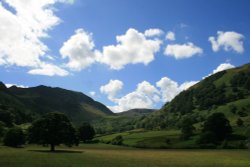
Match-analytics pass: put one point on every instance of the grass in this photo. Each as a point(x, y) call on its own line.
point(97, 155)
point(152, 139)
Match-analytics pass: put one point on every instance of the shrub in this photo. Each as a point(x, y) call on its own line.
point(14, 137)
point(118, 140)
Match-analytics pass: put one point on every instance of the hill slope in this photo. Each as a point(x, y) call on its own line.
point(227, 91)
point(136, 112)
point(36, 101)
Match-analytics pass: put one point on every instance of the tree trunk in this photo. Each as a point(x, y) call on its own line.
point(52, 147)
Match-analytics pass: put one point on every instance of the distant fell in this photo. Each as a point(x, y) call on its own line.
point(36, 101)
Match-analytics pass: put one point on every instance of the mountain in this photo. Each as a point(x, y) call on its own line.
point(36, 101)
point(227, 92)
point(136, 112)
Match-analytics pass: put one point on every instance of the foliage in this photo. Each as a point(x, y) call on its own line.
point(2, 129)
point(240, 122)
point(53, 128)
point(14, 137)
point(216, 129)
point(86, 132)
point(118, 140)
point(6, 117)
point(187, 128)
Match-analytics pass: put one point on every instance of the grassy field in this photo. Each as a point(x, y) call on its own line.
point(100, 155)
point(149, 139)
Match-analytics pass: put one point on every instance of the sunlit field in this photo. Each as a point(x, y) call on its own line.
point(100, 155)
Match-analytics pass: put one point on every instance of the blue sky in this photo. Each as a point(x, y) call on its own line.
point(103, 46)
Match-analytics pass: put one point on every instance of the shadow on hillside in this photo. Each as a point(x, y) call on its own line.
point(57, 151)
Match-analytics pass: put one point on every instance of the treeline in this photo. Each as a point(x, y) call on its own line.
point(51, 129)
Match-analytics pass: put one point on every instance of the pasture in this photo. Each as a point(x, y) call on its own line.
point(101, 155)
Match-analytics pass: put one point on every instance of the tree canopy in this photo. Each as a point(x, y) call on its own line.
point(217, 128)
point(14, 137)
point(86, 132)
point(53, 128)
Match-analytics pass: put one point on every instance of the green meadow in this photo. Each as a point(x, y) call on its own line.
point(101, 155)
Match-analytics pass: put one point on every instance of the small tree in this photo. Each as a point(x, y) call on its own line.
point(86, 132)
point(53, 129)
point(14, 137)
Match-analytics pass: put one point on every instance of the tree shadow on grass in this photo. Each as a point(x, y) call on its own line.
point(57, 151)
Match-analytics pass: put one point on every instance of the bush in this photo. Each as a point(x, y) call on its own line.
point(207, 138)
point(239, 122)
point(2, 129)
point(118, 140)
point(14, 137)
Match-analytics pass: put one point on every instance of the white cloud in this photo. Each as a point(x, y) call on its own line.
point(169, 88)
point(229, 40)
point(22, 30)
point(19, 86)
point(182, 51)
point(222, 67)
point(170, 36)
point(187, 85)
point(79, 50)
point(153, 32)
point(92, 93)
point(49, 70)
point(144, 96)
point(112, 88)
point(132, 48)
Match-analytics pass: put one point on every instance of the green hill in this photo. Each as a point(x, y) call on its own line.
point(227, 91)
point(35, 101)
point(136, 112)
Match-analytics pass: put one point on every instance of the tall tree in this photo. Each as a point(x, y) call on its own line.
point(54, 128)
point(86, 132)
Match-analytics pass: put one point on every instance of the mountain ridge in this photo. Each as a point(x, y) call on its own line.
point(42, 99)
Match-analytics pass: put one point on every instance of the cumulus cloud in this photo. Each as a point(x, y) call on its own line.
point(170, 36)
point(112, 88)
point(49, 70)
point(229, 40)
point(19, 86)
point(222, 67)
point(22, 30)
point(144, 96)
point(187, 85)
point(169, 88)
point(79, 50)
point(182, 51)
point(133, 47)
point(147, 95)
point(153, 32)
